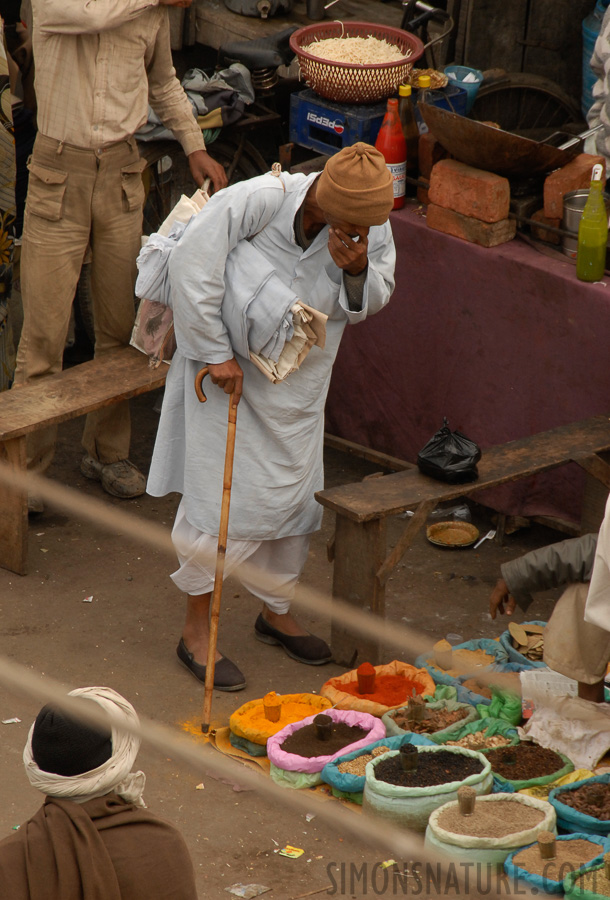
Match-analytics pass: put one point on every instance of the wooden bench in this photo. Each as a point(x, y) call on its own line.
point(116, 376)
point(361, 561)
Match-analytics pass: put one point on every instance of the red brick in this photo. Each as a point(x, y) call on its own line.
point(429, 153)
point(542, 234)
point(576, 175)
point(467, 228)
point(469, 191)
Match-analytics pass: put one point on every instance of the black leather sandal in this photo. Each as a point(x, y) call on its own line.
point(305, 648)
point(227, 677)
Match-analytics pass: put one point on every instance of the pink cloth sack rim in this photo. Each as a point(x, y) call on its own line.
point(293, 763)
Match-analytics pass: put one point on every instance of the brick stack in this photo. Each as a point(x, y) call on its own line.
point(470, 204)
point(428, 154)
point(573, 177)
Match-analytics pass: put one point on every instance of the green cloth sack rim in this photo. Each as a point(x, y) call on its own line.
point(295, 780)
point(490, 726)
point(543, 779)
point(395, 791)
point(247, 746)
point(571, 892)
point(504, 705)
point(393, 730)
point(347, 782)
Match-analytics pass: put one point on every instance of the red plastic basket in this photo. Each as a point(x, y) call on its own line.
point(349, 82)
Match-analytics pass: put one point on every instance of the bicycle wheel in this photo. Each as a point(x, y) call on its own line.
point(169, 175)
point(525, 104)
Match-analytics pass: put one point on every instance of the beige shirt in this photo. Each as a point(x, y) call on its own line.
point(98, 65)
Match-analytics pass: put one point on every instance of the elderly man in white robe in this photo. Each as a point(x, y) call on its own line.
point(329, 240)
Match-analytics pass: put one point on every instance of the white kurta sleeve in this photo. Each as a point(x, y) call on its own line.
point(197, 265)
point(597, 608)
point(379, 283)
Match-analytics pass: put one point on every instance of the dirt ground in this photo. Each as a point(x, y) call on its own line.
point(126, 638)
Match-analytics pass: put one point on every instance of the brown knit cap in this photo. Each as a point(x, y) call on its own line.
point(356, 186)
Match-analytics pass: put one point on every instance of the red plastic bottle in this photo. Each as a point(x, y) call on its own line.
point(391, 142)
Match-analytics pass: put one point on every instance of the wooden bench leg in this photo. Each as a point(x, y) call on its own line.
point(14, 507)
point(360, 549)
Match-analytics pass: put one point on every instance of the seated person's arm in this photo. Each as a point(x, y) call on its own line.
point(566, 562)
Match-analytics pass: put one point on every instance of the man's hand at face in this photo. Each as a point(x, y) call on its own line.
point(349, 248)
point(501, 600)
point(202, 166)
point(229, 376)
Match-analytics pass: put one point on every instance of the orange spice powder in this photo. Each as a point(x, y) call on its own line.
point(389, 689)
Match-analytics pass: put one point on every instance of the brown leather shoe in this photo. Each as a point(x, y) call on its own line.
point(120, 479)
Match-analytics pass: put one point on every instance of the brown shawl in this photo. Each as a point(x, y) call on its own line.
point(105, 849)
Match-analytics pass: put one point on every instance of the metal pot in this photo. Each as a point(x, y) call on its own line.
point(260, 8)
point(573, 206)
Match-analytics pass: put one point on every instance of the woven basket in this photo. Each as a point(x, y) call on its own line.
point(349, 82)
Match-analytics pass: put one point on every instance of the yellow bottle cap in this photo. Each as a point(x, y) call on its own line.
point(423, 81)
point(404, 90)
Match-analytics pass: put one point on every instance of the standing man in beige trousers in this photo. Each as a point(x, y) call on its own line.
point(98, 66)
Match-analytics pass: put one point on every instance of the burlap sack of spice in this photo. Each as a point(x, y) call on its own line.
point(292, 762)
point(471, 714)
point(249, 720)
point(488, 849)
point(411, 807)
point(551, 882)
point(349, 785)
point(339, 698)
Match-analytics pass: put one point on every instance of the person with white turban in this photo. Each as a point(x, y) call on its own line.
point(327, 238)
point(93, 838)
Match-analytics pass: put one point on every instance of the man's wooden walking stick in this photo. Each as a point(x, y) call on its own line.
point(222, 549)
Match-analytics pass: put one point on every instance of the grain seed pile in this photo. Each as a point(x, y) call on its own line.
point(358, 766)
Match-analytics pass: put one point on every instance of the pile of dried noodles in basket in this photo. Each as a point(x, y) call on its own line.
point(357, 50)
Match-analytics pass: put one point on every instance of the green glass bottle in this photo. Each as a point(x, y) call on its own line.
point(593, 232)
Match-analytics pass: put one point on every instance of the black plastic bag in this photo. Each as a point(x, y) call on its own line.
point(449, 456)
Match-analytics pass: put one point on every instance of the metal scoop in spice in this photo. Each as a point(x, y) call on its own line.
point(408, 757)
point(546, 845)
point(466, 800)
point(324, 727)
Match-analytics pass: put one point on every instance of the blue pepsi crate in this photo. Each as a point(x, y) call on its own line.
point(327, 127)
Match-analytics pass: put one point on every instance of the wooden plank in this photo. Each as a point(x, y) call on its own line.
point(597, 467)
point(216, 25)
point(359, 553)
point(374, 456)
point(394, 493)
point(595, 497)
point(406, 538)
point(550, 48)
point(115, 376)
point(14, 517)
point(491, 33)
